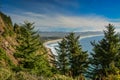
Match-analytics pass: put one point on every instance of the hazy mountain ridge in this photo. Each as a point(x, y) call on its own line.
point(58, 35)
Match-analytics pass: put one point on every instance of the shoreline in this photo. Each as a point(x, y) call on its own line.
point(51, 41)
point(58, 40)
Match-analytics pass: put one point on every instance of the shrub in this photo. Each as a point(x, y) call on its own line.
point(5, 74)
point(24, 76)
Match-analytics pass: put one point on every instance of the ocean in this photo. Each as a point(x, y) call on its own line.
point(85, 42)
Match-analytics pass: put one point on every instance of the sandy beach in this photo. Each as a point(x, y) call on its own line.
point(58, 40)
point(51, 41)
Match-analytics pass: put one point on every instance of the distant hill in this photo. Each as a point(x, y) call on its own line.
point(57, 35)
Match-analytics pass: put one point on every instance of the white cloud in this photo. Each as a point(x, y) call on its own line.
point(84, 23)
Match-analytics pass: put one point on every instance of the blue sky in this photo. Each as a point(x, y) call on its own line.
point(64, 15)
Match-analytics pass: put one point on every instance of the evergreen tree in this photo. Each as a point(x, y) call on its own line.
point(29, 44)
point(104, 54)
point(41, 66)
point(78, 59)
point(30, 52)
point(71, 59)
point(62, 61)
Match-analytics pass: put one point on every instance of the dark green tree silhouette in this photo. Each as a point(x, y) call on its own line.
point(78, 58)
point(62, 62)
point(105, 53)
point(30, 52)
point(71, 59)
point(29, 44)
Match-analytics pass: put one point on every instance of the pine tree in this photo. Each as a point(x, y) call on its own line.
point(71, 59)
point(62, 62)
point(29, 44)
point(30, 52)
point(104, 54)
point(78, 59)
point(41, 66)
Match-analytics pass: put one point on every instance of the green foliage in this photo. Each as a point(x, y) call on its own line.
point(29, 44)
point(28, 52)
point(5, 59)
point(41, 66)
point(6, 32)
point(113, 77)
point(4, 74)
point(71, 63)
point(8, 28)
point(63, 77)
point(71, 59)
point(24, 76)
point(62, 61)
point(78, 58)
point(105, 53)
point(2, 54)
point(6, 19)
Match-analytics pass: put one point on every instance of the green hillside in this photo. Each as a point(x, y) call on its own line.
point(24, 57)
point(21, 52)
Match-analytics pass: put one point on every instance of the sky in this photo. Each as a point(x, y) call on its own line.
point(64, 15)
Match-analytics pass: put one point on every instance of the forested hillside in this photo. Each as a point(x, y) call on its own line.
point(24, 57)
point(21, 51)
point(7, 41)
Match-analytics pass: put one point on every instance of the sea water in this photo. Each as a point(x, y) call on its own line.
point(84, 42)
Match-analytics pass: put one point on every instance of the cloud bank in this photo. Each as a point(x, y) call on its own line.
point(45, 22)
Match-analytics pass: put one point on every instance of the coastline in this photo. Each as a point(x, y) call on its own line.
point(51, 41)
point(58, 40)
point(49, 45)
